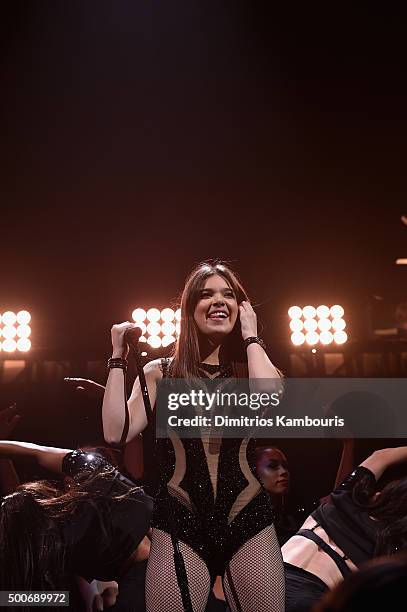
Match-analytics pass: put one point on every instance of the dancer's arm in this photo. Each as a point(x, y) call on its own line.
point(48, 457)
point(380, 460)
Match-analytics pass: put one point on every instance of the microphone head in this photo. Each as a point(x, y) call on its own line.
point(132, 335)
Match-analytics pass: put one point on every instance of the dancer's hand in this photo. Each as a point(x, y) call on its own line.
point(90, 388)
point(248, 320)
point(120, 346)
point(106, 597)
point(8, 421)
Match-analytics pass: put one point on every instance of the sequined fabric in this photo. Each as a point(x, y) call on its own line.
point(204, 522)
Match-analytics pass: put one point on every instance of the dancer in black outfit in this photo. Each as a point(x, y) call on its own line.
point(211, 512)
point(356, 524)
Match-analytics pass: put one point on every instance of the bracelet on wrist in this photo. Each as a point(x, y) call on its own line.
point(117, 362)
point(254, 339)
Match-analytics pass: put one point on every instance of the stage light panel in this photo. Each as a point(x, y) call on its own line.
point(14, 327)
point(167, 340)
point(178, 314)
point(322, 324)
point(178, 328)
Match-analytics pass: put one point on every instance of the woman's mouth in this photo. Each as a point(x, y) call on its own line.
point(218, 315)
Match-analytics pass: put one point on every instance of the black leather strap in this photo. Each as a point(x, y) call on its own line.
point(339, 561)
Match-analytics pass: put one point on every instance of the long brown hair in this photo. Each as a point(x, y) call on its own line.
point(186, 355)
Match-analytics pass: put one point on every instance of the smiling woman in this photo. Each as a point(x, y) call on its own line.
point(212, 516)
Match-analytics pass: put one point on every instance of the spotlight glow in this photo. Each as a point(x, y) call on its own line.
point(23, 345)
point(23, 317)
point(178, 328)
point(23, 331)
point(296, 325)
point(167, 314)
point(322, 312)
point(153, 314)
point(338, 324)
point(309, 312)
point(167, 340)
point(326, 337)
point(9, 345)
point(337, 311)
point(153, 328)
point(340, 337)
point(311, 338)
point(154, 341)
point(178, 314)
point(139, 315)
point(324, 324)
point(9, 317)
point(294, 312)
point(310, 325)
point(9, 331)
point(297, 338)
point(168, 328)
point(142, 339)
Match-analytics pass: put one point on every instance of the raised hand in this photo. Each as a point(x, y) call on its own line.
point(248, 320)
point(120, 346)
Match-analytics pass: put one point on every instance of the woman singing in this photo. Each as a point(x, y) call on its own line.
point(212, 516)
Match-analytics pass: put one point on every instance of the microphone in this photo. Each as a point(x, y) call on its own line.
point(132, 335)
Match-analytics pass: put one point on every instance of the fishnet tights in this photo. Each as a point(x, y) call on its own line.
point(256, 570)
point(257, 574)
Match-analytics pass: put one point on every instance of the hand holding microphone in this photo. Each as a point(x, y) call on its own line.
point(123, 335)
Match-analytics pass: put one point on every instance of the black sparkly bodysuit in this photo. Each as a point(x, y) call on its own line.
point(208, 494)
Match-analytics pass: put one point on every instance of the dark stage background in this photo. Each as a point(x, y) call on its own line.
point(140, 138)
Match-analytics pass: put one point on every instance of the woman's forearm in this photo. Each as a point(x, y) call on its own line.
point(113, 408)
point(259, 363)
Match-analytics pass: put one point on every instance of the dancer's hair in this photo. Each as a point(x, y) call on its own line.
point(389, 507)
point(33, 550)
point(186, 356)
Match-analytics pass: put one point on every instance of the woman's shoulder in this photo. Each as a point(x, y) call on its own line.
point(157, 368)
